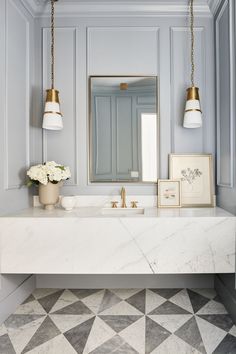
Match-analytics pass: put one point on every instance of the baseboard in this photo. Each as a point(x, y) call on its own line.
point(124, 281)
point(10, 303)
point(226, 296)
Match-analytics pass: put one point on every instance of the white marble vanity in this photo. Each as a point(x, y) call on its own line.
point(85, 241)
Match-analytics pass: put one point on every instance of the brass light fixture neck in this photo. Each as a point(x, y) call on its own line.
point(193, 93)
point(52, 95)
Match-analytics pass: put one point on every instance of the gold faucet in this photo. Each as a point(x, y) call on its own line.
point(123, 198)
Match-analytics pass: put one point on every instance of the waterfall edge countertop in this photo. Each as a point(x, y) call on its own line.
point(84, 241)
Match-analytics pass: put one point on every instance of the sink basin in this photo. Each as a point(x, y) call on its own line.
point(122, 211)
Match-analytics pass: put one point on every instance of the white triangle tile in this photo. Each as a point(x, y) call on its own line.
point(233, 331)
point(209, 293)
point(212, 308)
point(3, 330)
point(66, 322)
point(38, 293)
point(99, 334)
point(66, 298)
point(182, 299)
point(30, 308)
point(153, 300)
point(93, 301)
point(170, 322)
point(20, 337)
point(125, 293)
point(174, 345)
point(134, 335)
point(57, 345)
point(211, 335)
point(122, 308)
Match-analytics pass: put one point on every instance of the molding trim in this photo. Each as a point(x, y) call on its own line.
point(116, 8)
point(11, 302)
point(214, 5)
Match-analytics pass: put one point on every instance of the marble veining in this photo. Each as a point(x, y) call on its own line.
point(86, 242)
point(119, 321)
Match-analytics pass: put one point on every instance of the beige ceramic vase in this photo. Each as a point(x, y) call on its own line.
point(49, 195)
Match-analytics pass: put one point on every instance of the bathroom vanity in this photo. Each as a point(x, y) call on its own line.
point(88, 240)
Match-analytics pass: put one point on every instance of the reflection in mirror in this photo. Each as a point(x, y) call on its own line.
point(123, 129)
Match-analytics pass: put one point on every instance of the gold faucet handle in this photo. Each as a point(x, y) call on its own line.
point(114, 204)
point(134, 204)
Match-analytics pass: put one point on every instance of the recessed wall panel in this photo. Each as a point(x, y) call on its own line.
point(17, 96)
point(60, 146)
point(123, 51)
point(185, 140)
point(224, 118)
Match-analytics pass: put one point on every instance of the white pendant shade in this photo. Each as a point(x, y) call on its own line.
point(52, 118)
point(193, 114)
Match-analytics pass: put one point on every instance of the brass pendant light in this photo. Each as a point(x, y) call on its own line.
point(193, 113)
point(52, 118)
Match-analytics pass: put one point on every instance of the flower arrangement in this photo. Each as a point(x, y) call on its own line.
point(48, 172)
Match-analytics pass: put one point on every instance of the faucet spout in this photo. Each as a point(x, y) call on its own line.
point(123, 198)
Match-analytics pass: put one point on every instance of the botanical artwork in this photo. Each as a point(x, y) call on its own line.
point(195, 172)
point(169, 193)
point(190, 175)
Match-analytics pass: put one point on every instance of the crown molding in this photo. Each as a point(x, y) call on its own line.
point(69, 8)
point(214, 5)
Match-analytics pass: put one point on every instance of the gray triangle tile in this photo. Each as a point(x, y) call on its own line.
point(138, 300)
point(44, 333)
point(82, 293)
point(77, 308)
point(168, 308)
point(16, 321)
point(125, 349)
point(227, 346)
point(6, 346)
point(78, 335)
point(29, 299)
point(109, 346)
point(190, 333)
point(166, 293)
point(222, 321)
point(197, 300)
point(49, 301)
point(118, 323)
point(109, 300)
point(155, 335)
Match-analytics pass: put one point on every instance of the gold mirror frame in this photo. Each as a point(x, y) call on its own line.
point(90, 154)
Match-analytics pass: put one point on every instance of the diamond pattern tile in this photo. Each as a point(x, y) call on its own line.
point(119, 321)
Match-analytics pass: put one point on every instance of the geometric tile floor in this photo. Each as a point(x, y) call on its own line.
point(119, 321)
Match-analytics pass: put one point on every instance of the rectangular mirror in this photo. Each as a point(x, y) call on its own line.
point(123, 129)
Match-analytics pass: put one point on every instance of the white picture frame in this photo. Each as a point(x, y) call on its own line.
point(196, 174)
point(169, 193)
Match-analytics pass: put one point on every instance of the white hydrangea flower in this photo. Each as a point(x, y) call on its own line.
point(50, 171)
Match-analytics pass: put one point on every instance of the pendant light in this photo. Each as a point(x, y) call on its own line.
point(193, 113)
point(52, 118)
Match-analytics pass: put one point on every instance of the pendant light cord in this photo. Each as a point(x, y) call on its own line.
point(192, 42)
point(52, 44)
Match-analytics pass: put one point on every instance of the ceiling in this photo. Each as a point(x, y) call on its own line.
point(40, 8)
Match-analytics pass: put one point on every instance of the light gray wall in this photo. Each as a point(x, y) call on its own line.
point(16, 37)
point(226, 105)
point(122, 46)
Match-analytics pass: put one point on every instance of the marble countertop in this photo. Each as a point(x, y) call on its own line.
point(96, 212)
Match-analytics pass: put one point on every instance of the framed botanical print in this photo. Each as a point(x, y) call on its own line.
point(195, 172)
point(169, 193)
